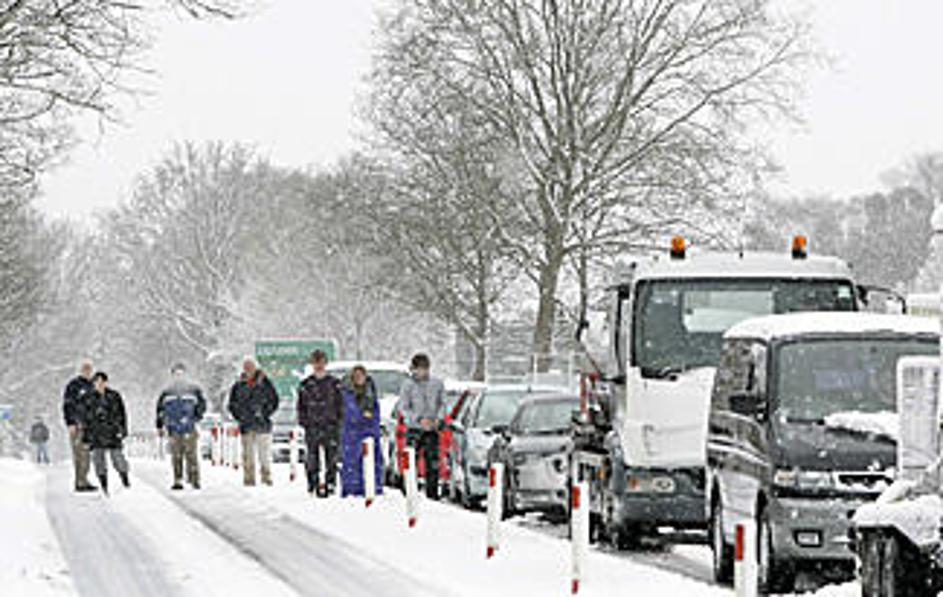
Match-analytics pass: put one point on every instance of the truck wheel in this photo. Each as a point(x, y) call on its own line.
point(900, 574)
point(871, 553)
point(722, 551)
point(775, 576)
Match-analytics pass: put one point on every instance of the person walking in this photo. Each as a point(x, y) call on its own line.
point(180, 407)
point(105, 425)
point(72, 400)
point(422, 402)
point(361, 421)
point(252, 402)
point(320, 413)
point(39, 437)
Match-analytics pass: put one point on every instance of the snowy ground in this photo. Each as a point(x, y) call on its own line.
point(278, 541)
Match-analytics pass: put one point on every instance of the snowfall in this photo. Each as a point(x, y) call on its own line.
point(274, 541)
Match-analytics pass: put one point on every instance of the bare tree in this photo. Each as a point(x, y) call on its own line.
point(624, 116)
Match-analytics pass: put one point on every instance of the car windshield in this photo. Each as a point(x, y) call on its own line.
point(680, 323)
point(815, 379)
point(498, 408)
point(546, 416)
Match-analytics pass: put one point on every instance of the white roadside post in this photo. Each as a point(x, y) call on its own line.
point(579, 532)
point(745, 578)
point(369, 472)
point(495, 505)
point(412, 489)
point(215, 456)
point(292, 454)
point(237, 451)
point(322, 471)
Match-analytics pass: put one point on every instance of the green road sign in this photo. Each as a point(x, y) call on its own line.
point(284, 361)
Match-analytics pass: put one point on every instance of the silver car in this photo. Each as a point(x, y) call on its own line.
point(486, 418)
point(535, 453)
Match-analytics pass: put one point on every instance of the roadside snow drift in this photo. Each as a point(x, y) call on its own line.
point(30, 560)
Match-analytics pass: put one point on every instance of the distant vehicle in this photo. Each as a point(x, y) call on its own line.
point(388, 377)
point(536, 452)
point(284, 423)
point(211, 424)
point(483, 419)
point(801, 432)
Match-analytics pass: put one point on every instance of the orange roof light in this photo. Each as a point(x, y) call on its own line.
point(800, 246)
point(678, 247)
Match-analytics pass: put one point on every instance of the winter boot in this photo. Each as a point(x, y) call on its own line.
point(177, 486)
point(125, 480)
point(103, 483)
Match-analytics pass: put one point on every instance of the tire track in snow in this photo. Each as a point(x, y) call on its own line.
point(107, 557)
point(309, 561)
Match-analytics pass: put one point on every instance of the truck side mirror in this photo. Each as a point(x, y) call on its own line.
point(748, 405)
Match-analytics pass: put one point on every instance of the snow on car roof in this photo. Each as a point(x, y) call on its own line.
point(523, 387)
point(800, 324)
point(369, 365)
point(734, 265)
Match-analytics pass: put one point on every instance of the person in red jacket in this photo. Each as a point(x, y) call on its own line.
point(320, 413)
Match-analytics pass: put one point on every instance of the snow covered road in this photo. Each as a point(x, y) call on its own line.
point(279, 542)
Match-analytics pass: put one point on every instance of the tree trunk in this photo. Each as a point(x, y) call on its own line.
point(546, 311)
point(481, 356)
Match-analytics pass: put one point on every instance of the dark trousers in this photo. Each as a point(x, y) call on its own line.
point(428, 443)
point(317, 438)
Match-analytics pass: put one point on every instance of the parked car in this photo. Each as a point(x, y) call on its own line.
point(388, 377)
point(483, 419)
point(795, 441)
point(208, 427)
point(284, 423)
point(535, 454)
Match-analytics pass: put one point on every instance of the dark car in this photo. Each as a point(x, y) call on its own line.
point(535, 453)
point(482, 420)
point(795, 439)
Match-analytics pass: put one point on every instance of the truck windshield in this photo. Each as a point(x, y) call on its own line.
point(817, 378)
point(679, 324)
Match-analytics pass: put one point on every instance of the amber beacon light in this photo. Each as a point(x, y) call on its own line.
point(800, 246)
point(678, 247)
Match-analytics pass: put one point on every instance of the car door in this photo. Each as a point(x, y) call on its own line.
point(737, 454)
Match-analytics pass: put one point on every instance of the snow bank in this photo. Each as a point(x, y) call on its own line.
point(885, 423)
point(32, 563)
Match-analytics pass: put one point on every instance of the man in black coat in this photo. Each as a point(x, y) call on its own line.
point(252, 402)
point(320, 413)
point(72, 401)
point(105, 426)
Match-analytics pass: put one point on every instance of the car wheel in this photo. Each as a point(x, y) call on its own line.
point(466, 492)
point(774, 576)
point(722, 552)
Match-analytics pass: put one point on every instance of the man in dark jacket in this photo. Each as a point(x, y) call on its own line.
point(104, 427)
point(320, 405)
point(252, 402)
point(39, 437)
point(72, 401)
point(180, 407)
point(422, 402)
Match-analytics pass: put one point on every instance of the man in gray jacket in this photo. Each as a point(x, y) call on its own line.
point(422, 402)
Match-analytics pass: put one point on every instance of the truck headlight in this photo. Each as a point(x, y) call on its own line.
point(799, 479)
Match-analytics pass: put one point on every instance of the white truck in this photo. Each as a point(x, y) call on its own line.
point(639, 440)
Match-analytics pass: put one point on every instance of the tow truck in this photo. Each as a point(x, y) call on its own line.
point(639, 437)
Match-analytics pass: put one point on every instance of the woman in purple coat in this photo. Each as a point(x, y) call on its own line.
point(361, 421)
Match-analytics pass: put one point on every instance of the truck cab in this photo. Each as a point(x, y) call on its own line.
point(643, 449)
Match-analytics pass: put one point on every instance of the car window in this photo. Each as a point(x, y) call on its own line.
point(498, 408)
point(545, 416)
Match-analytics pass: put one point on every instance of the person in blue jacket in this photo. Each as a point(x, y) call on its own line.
point(361, 421)
point(179, 409)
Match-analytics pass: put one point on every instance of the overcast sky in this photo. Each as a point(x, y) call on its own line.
point(285, 81)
